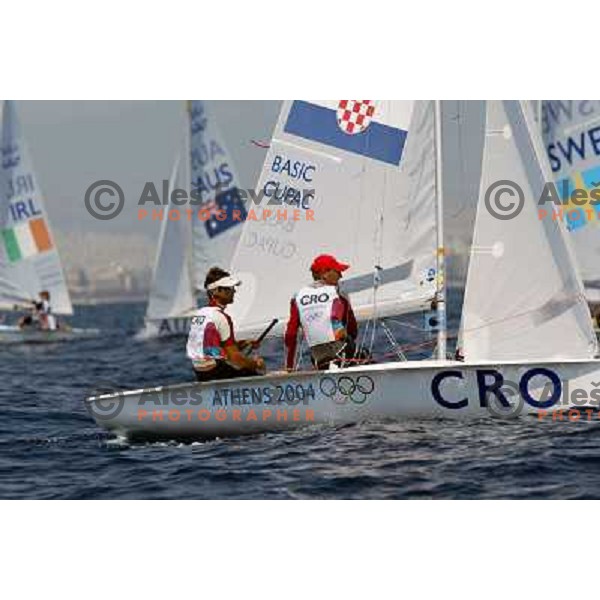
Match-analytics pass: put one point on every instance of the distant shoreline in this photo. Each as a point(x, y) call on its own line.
point(109, 300)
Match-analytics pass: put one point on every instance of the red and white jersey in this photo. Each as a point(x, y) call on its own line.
point(211, 331)
point(323, 318)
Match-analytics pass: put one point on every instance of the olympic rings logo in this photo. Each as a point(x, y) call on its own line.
point(347, 388)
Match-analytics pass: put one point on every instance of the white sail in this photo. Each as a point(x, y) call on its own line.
point(214, 179)
point(362, 189)
point(523, 298)
point(29, 260)
point(571, 130)
point(171, 290)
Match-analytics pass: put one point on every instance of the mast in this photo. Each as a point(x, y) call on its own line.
point(187, 177)
point(440, 295)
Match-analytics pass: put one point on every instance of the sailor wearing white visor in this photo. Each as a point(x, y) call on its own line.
point(211, 345)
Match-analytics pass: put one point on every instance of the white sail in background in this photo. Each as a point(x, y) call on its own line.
point(571, 130)
point(29, 260)
point(524, 299)
point(171, 290)
point(214, 179)
point(360, 176)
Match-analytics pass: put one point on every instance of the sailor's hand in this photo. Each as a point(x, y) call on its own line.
point(259, 364)
point(245, 344)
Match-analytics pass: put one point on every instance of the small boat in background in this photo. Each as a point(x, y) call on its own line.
point(29, 259)
point(171, 302)
point(19, 335)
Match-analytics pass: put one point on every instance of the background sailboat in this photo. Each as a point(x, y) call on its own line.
point(571, 132)
point(187, 249)
point(171, 299)
point(29, 259)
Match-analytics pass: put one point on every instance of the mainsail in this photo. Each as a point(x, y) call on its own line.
point(359, 175)
point(216, 185)
point(29, 260)
point(524, 299)
point(171, 290)
point(571, 130)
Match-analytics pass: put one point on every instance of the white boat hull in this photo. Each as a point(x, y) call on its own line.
point(389, 391)
point(11, 334)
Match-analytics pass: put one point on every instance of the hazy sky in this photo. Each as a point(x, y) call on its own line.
point(74, 143)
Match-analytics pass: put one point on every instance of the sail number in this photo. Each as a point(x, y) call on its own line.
point(490, 383)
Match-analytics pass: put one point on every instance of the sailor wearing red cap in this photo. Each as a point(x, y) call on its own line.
point(325, 315)
point(211, 346)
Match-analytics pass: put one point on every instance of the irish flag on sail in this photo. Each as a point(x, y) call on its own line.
point(26, 240)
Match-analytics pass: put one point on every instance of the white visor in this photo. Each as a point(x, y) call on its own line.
point(226, 282)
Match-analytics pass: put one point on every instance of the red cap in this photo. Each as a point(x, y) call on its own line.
point(325, 262)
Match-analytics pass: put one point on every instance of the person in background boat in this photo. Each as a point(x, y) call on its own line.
point(46, 319)
point(32, 318)
point(40, 315)
point(211, 345)
point(325, 316)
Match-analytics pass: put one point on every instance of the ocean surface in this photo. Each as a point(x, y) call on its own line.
point(51, 448)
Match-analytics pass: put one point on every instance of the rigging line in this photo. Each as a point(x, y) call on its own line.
point(378, 241)
point(299, 354)
point(375, 320)
point(392, 340)
point(362, 338)
point(405, 324)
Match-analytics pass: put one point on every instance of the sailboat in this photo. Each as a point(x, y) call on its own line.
point(526, 331)
point(29, 259)
point(171, 303)
point(571, 132)
point(187, 249)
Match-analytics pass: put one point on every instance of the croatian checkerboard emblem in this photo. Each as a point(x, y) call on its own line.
point(354, 116)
